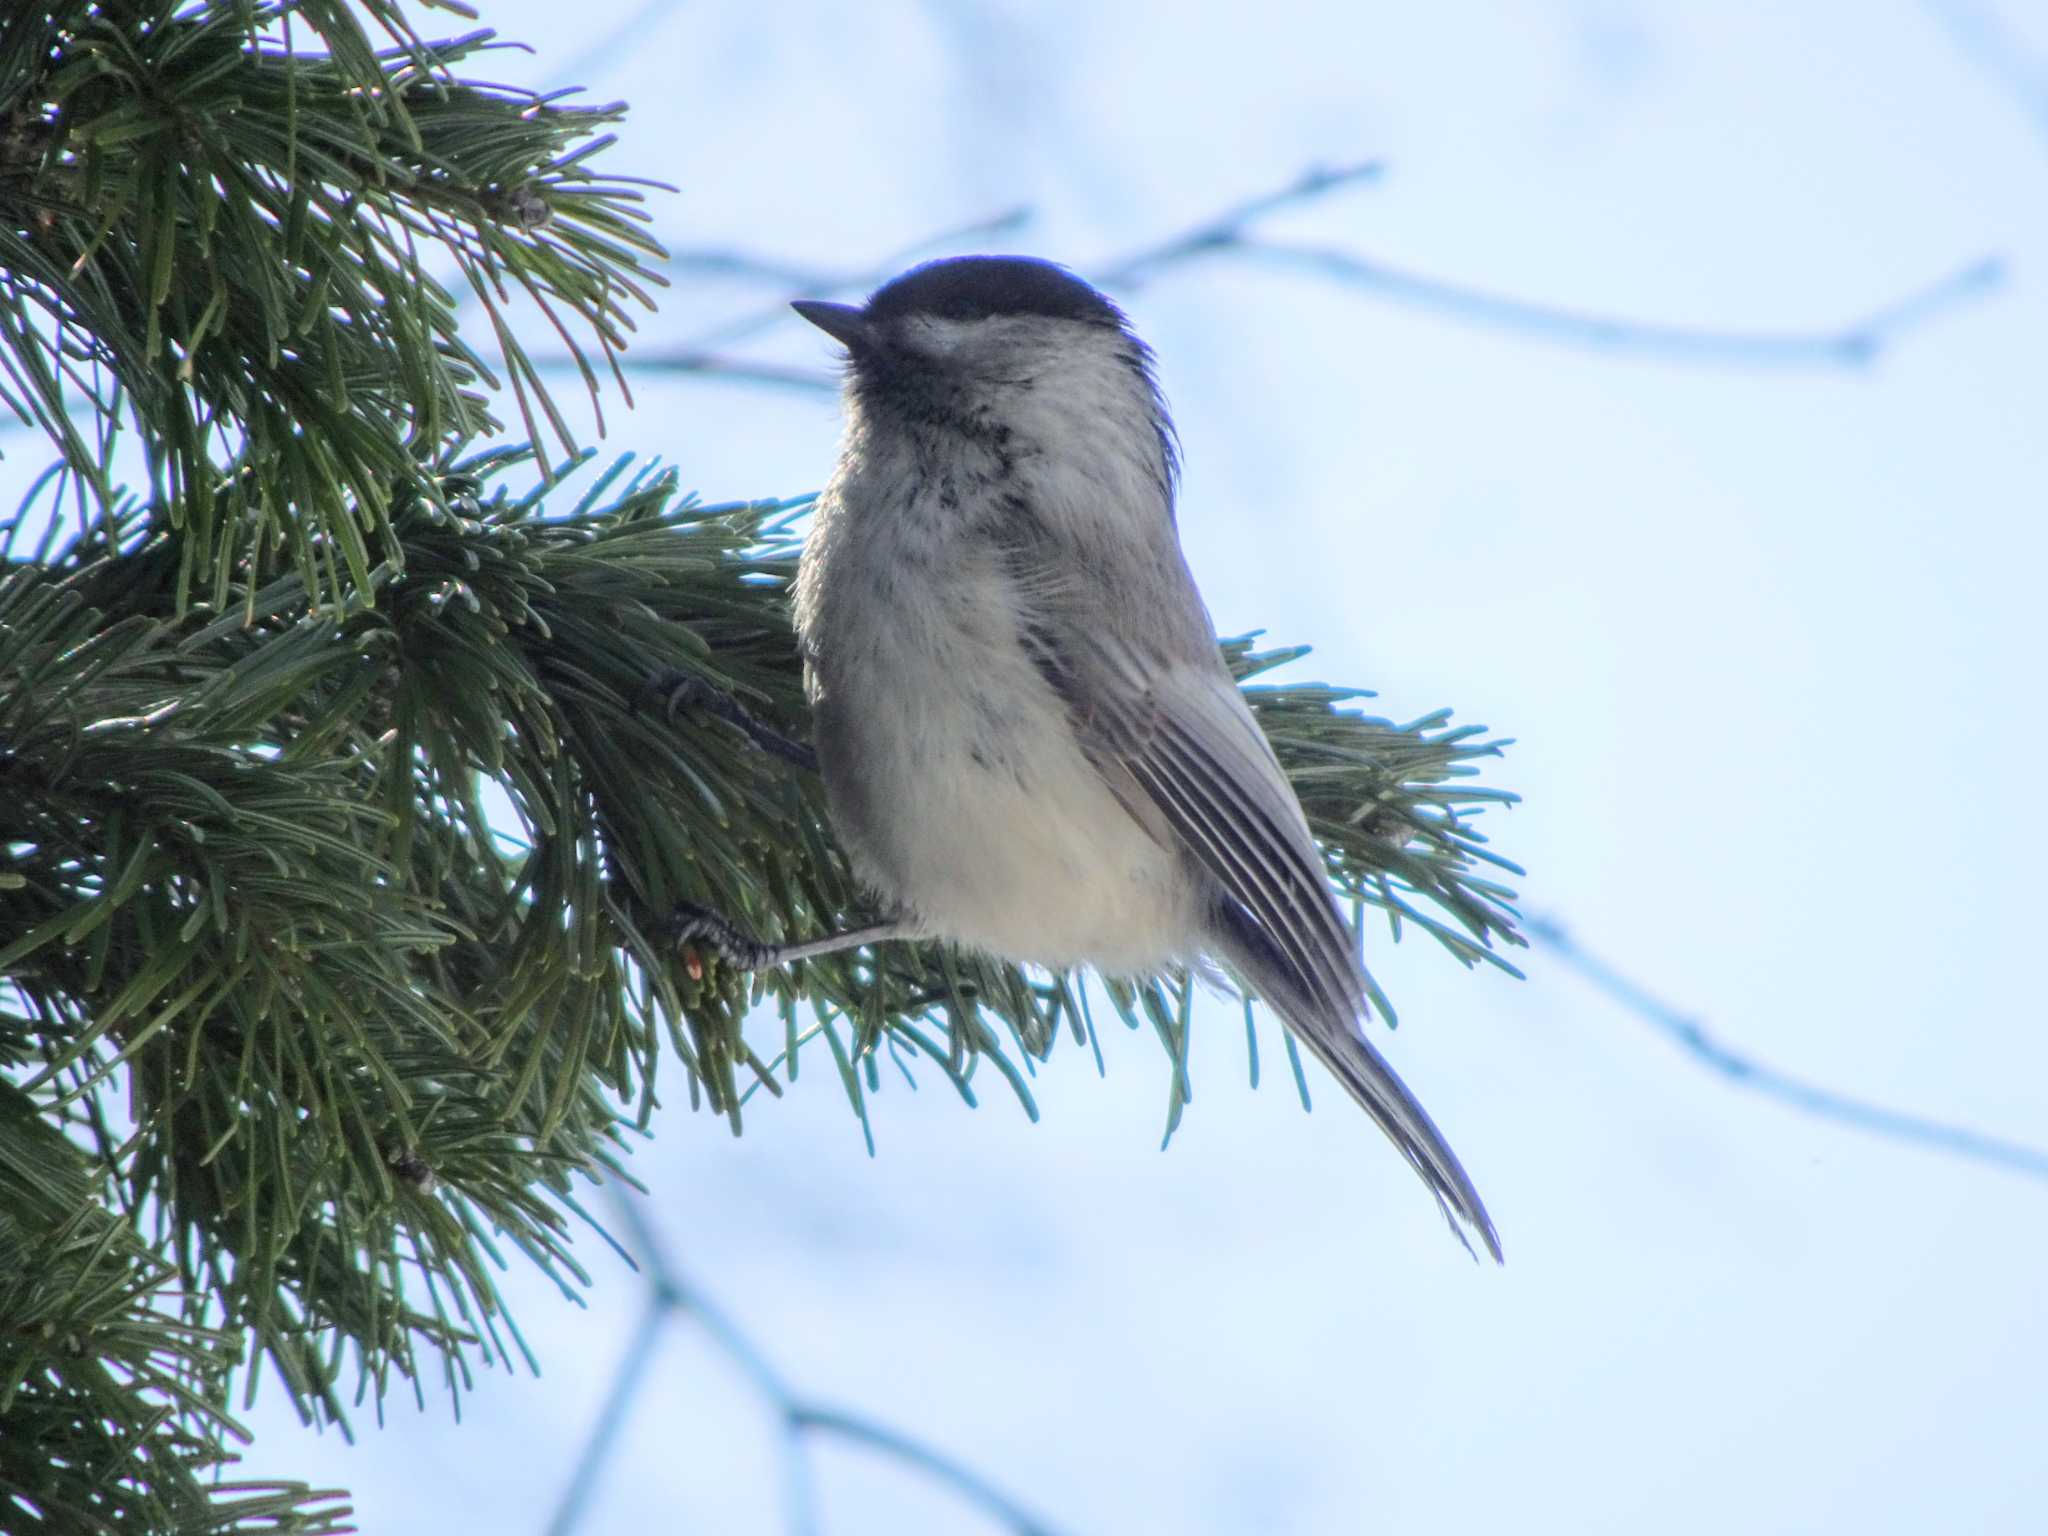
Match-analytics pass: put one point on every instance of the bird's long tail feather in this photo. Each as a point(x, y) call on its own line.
point(1333, 1033)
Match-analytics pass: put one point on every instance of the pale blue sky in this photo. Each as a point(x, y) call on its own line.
point(1769, 640)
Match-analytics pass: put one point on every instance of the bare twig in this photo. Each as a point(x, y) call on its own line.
point(671, 1294)
point(1995, 48)
point(1692, 1037)
point(699, 355)
point(702, 354)
point(1227, 230)
point(818, 285)
point(881, 1438)
point(1850, 346)
point(1231, 232)
point(618, 1405)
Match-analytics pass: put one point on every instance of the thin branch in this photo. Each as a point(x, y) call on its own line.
point(1852, 346)
point(618, 1404)
point(672, 1294)
point(863, 1431)
point(1226, 230)
point(1692, 1037)
point(1231, 232)
point(701, 354)
point(860, 279)
point(1995, 48)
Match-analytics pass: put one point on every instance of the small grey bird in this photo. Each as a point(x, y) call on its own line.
point(1029, 740)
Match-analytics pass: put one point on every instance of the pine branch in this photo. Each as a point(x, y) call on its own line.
point(113, 1400)
point(363, 1019)
point(219, 236)
point(335, 844)
point(211, 922)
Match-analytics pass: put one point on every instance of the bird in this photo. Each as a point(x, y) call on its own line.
point(1030, 743)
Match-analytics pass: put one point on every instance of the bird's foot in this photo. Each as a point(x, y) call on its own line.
point(692, 928)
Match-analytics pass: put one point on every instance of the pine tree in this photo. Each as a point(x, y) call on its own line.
point(337, 820)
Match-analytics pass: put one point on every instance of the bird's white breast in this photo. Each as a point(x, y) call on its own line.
point(957, 784)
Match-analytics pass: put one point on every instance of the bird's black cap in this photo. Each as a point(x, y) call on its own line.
point(966, 288)
point(977, 287)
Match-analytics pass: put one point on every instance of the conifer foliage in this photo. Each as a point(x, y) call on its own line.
point(337, 821)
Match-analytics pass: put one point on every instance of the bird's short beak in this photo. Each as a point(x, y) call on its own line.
point(847, 323)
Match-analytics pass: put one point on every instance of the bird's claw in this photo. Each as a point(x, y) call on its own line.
point(691, 928)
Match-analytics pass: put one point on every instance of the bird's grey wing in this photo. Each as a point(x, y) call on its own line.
point(1184, 734)
point(1179, 731)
